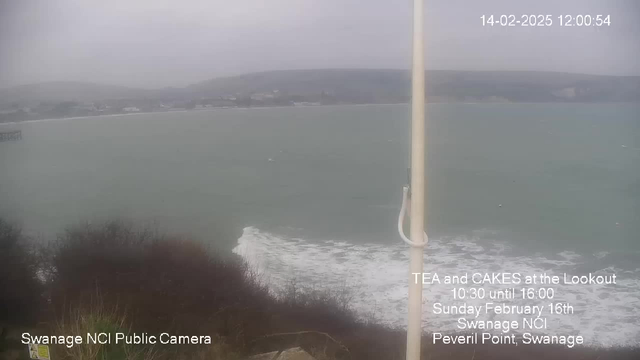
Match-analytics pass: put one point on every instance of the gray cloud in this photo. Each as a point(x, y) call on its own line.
point(152, 43)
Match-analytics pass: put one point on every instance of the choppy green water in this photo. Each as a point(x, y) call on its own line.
point(564, 174)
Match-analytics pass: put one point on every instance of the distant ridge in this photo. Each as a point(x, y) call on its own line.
point(393, 85)
point(360, 86)
point(67, 91)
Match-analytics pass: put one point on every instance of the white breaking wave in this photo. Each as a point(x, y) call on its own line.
point(605, 315)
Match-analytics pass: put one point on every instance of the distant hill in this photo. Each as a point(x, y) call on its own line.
point(394, 85)
point(357, 86)
point(55, 92)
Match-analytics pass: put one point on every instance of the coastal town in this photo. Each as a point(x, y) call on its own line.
point(17, 112)
point(312, 87)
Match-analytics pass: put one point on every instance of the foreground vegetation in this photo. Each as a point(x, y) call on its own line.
point(113, 278)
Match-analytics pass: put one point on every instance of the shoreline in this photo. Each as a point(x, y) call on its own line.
point(183, 111)
point(294, 107)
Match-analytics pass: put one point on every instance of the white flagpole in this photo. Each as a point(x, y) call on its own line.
point(417, 186)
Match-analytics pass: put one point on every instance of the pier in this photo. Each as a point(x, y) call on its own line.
point(11, 135)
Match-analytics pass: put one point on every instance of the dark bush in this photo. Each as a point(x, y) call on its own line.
point(163, 284)
point(20, 289)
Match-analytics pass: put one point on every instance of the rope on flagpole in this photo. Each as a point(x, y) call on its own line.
point(403, 214)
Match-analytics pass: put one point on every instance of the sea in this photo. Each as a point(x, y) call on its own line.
point(311, 196)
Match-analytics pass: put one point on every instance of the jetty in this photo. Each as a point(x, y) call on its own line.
point(11, 135)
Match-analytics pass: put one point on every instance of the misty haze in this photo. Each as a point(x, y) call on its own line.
point(230, 174)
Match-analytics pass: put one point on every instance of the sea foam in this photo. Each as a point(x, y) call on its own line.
point(377, 277)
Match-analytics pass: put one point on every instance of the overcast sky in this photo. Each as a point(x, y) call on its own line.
point(156, 43)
